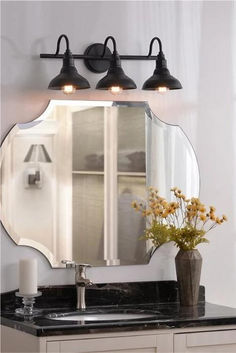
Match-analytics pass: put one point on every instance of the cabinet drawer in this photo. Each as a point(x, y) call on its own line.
point(108, 344)
point(208, 341)
point(162, 343)
point(211, 338)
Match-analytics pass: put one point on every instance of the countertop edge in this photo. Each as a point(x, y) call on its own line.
point(116, 327)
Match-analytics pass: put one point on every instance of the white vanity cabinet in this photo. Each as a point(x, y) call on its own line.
point(153, 341)
point(214, 339)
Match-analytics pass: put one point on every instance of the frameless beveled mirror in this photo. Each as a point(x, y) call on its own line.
point(69, 177)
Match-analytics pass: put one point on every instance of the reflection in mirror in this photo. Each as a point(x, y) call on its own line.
point(69, 177)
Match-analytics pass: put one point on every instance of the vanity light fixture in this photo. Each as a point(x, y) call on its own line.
point(68, 80)
point(98, 58)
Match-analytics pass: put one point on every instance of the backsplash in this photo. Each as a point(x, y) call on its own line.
point(103, 294)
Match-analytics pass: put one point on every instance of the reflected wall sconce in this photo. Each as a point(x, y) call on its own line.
point(98, 59)
point(36, 154)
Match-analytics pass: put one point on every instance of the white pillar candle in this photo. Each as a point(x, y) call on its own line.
point(28, 276)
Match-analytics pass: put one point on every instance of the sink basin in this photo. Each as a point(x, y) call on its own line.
point(75, 316)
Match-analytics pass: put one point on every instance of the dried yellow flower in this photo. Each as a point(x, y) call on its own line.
point(202, 209)
point(164, 203)
point(202, 217)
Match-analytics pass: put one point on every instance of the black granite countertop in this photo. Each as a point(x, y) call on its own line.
point(160, 299)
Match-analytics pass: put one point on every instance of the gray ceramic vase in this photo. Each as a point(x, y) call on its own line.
point(188, 269)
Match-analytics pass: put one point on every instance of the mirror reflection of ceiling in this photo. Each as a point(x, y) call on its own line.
point(69, 177)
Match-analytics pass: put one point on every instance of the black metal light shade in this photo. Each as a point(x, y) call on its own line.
point(68, 76)
point(161, 79)
point(68, 79)
point(115, 78)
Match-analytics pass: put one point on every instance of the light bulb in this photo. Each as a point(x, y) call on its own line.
point(162, 89)
point(68, 89)
point(115, 90)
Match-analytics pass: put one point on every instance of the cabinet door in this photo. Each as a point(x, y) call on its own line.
point(131, 344)
point(206, 342)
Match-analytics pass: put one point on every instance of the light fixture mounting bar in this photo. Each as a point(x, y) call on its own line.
point(94, 59)
point(98, 57)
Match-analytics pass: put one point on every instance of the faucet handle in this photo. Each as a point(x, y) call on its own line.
point(69, 263)
point(81, 269)
point(82, 266)
point(80, 275)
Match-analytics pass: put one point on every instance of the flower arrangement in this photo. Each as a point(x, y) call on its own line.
point(183, 221)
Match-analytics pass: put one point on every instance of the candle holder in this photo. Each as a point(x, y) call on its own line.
point(28, 301)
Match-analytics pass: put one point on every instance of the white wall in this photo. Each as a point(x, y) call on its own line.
point(199, 43)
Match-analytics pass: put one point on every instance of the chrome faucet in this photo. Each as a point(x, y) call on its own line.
point(81, 281)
